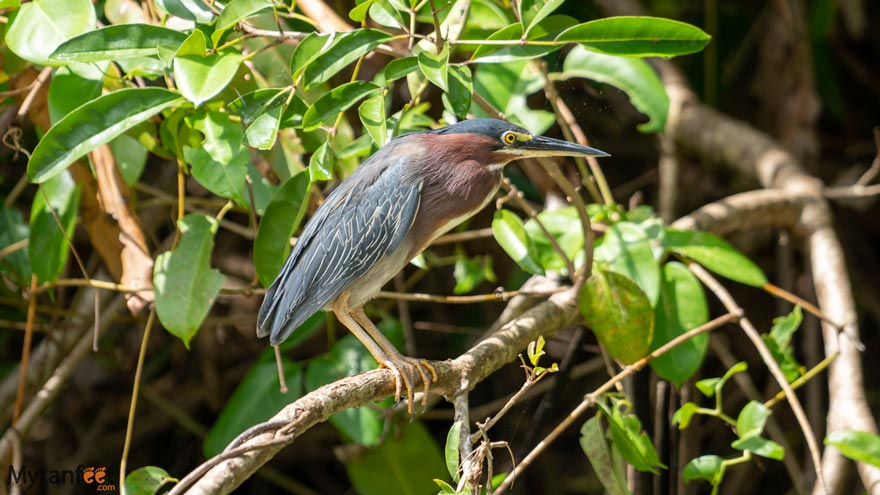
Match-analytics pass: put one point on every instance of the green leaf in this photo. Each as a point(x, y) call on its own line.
point(359, 13)
point(716, 254)
point(546, 30)
point(511, 235)
point(684, 414)
point(506, 86)
point(386, 14)
point(201, 77)
point(633, 76)
point(436, 67)
point(94, 124)
point(283, 216)
point(321, 163)
point(389, 468)
point(347, 48)
point(619, 313)
point(860, 446)
point(147, 480)
point(186, 285)
point(626, 249)
point(235, 11)
point(48, 246)
point(460, 95)
point(681, 307)
point(257, 398)
point(123, 12)
point(760, 446)
point(565, 226)
point(219, 161)
point(337, 100)
point(69, 89)
point(593, 443)
point(12, 230)
point(445, 488)
point(191, 10)
point(707, 467)
point(626, 435)
point(40, 26)
point(638, 36)
point(470, 272)
point(119, 42)
point(307, 50)
point(709, 386)
point(372, 114)
point(779, 343)
point(398, 68)
point(453, 439)
point(751, 419)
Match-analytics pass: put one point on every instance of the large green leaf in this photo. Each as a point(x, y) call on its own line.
point(345, 49)
point(619, 313)
point(398, 68)
point(256, 398)
point(201, 77)
point(565, 227)
point(626, 249)
point(94, 124)
point(185, 283)
point(337, 100)
point(716, 254)
point(12, 230)
point(436, 67)
point(506, 86)
point(707, 467)
point(220, 161)
point(119, 42)
point(638, 36)
point(451, 451)
point(41, 25)
point(282, 217)
point(534, 11)
point(861, 446)
point(307, 50)
point(461, 91)
point(49, 241)
point(629, 439)
point(372, 115)
point(389, 468)
point(511, 235)
point(193, 10)
point(681, 307)
point(605, 464)
point(633, 76)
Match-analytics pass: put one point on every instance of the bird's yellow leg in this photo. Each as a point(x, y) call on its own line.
point(342, 312)
point(407, 364)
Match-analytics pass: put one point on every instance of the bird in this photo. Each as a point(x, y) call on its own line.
point(387, 211)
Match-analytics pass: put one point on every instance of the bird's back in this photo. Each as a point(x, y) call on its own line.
point(358, 224)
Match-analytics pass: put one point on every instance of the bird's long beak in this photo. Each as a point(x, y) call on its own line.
point(544, 146)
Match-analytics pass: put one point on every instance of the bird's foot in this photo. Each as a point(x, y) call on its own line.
point(405, 370)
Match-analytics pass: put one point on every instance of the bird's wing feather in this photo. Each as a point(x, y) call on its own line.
point(352, 231)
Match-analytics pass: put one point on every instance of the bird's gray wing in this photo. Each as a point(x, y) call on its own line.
point(363, 220)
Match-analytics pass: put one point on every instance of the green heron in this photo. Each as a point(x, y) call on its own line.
point(386, 212)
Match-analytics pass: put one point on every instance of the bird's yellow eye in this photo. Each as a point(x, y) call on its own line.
point(509, 137)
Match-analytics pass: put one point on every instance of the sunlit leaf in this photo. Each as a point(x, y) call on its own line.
point(511, 235)
point(201, 77)
point(716, 254)
point(372, 114)
point(118, 42)
point(628, 438)
point(337, 100)
point(707, 467)
point(461, 91)
point(235, 11)
point(709, 386)
point(626, 249)
point(49, 242)
point(219, 160)
point(94, 124)
point(185, 283)
point(436, 67)
point(638, 36)
point(346, 48)
point(546, 30)
point(40, 26)
point(860, 446)
point(146, 480)
point(633, 76)
point(453, 439)
point(192, 10)
point(684, 414)
point(619, 313)
point(760, 446)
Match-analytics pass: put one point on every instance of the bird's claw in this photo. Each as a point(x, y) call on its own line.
point(405, 370)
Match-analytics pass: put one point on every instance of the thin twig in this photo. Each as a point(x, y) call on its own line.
point(26, 351)
point(499, 296)
point(731, 305)
point(134, 395)
point(590, 399)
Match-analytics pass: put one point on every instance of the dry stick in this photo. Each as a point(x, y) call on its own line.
point(815, 370)
point(26, 350)
point(872, 172)
point(795, 299)
point(475, 298)
point(731, 305)
point(463, 236)
point(590, 399)
point(134, 395)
